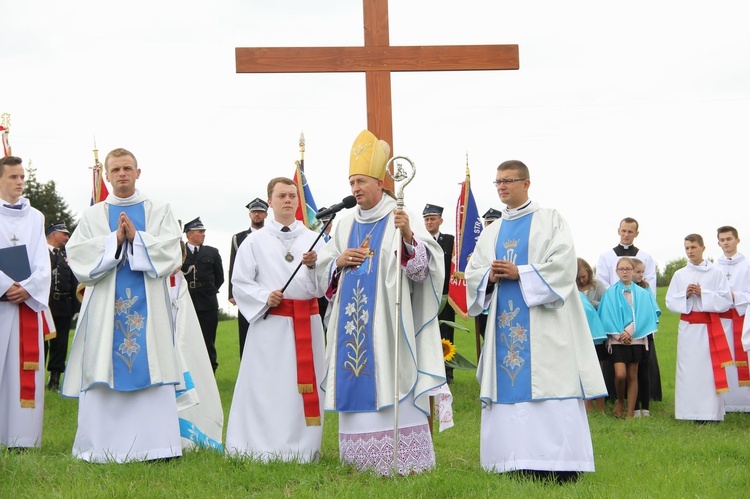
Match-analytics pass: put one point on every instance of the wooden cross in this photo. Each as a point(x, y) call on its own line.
point(377, 59)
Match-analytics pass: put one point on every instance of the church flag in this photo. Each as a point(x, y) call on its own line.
point(307, 208)
point(468, 228)
point(4, 132)
point(99, 191)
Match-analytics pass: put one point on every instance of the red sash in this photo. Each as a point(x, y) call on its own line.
point(300, 311)
point(740, 355)
point(28, 351)
point(721, 356)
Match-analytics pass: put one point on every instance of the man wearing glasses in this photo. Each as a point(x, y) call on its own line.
point(538, 362)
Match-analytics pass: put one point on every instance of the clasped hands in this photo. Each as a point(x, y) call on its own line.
point(17, 294)
point(503, 269)
point(125, 230)
point(354, 257)
point(693, 290)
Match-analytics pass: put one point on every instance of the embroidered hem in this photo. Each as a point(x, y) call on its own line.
point(374, 450)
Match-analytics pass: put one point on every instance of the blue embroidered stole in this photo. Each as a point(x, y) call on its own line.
point(129, 353)
point(355, 359)
point(512, 338)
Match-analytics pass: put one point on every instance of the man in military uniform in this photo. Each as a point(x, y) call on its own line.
point(433, 219)
point(62, 302)
point(204, 275)
point(258, 213)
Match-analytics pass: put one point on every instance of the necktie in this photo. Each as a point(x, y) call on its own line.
point(285, 229)
point(195, 250)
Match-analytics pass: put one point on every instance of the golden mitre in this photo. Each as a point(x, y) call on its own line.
point(369, 156)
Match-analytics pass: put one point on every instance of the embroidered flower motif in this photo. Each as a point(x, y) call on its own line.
point(129, 348)
point(135, 321)
point(518, 333)
point(355, 328)
point(514, 339)
point(506, 316)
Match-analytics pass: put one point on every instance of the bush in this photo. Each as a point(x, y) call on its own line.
point(663, 279)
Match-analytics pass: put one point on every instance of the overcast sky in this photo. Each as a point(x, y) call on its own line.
point(635, 109)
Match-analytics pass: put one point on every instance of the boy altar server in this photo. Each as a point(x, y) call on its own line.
point(277, 404)
point(700, 292)
point(737, 269)
point(23, 300)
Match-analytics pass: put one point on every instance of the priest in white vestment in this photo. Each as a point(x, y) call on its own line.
point(123, 364)
point(700, 292)
point(737, 269)
point(22, 322)
point(276, 411)
point(538, 362)
point(360, 269)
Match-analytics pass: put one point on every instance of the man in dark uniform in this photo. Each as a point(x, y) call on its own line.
point(480, 321)
point(433, 218)
point(204, 276)
point(63, 303)
point(258, 213)
point(323, 301)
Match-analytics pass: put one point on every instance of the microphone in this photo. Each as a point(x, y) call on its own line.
point(347, 202)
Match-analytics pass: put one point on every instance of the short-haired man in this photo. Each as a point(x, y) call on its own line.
point(204, 274)
point(605, 268)
point(699, 292)
point(23, 299)
point(258, 211)
point(433, 219)
point(63, 303)
point(538, 360)
point(360, 269)
point(737, 269)
point(277, 407)
point(123, 363)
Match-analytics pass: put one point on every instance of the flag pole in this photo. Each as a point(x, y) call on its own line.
point(5, 131)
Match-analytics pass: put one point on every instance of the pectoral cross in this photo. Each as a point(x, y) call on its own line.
point(14, 239)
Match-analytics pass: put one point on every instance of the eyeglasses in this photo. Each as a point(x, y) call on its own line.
point(506, 181)
point(625, 269)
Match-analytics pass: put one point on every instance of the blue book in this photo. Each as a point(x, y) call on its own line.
point(14, 262)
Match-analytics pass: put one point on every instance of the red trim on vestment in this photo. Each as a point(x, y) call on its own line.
point(28, 346)
point(740, 355)
point(721, 356)
point(301, 311)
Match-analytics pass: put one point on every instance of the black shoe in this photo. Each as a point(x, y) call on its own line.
point(54, 382)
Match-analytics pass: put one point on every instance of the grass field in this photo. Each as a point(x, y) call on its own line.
point(646, 457)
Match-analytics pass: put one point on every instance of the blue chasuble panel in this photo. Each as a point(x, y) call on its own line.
point(512, 338)
point(129, 352)
point(355, 360)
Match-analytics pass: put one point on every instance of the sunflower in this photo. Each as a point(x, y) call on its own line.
point(449, 350)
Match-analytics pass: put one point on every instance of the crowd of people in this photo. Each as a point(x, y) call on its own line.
point(348, 323)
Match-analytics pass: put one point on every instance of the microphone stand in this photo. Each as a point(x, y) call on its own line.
point(323, 231)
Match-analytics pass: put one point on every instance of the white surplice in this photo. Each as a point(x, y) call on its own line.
point(737, 270)
point(695, 396)
point(22, 426)
point(114, 425)
point(550, 431)
point(366, 438)
point(267, 419)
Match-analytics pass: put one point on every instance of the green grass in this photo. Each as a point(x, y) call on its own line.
point(649, 457)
